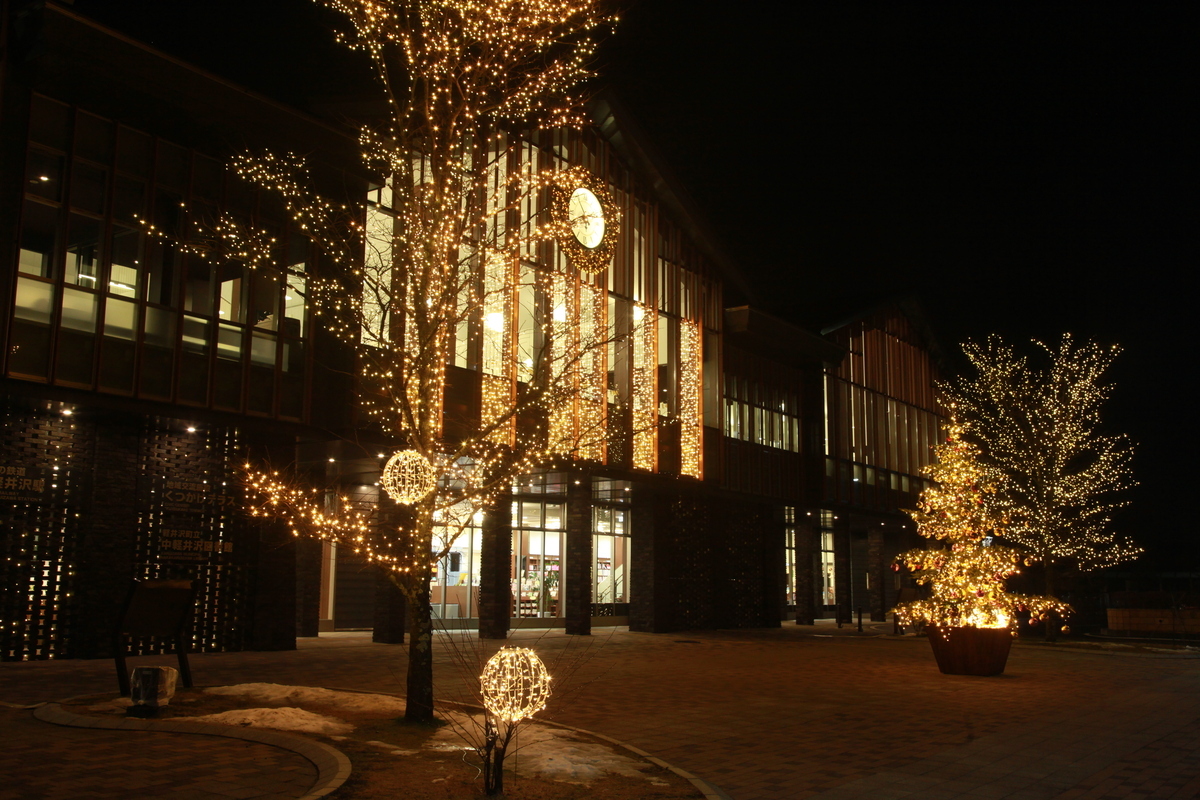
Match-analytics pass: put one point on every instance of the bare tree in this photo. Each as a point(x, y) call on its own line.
point(452, 250)
point(1059, 475)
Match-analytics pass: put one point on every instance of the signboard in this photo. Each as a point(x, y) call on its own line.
point(189, 497)
point(23, 484)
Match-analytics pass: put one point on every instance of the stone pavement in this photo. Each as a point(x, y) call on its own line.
point(796, 712)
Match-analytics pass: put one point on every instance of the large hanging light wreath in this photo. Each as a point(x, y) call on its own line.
point(588, 220)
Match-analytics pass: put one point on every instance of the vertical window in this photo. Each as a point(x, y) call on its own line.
point(537, 557)
point(610, 541)
point(789, 555)
point(454, 591)
point(828, 588)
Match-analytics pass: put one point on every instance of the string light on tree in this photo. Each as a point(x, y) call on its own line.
point(1060, 474)
point(966, 577)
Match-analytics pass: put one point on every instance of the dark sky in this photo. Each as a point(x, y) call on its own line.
point(1027, 169)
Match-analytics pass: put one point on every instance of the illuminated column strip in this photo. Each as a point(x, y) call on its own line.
point(498, 382)
point(593, 372)
point(564, 364)
point(691, 386)
point(645, 388)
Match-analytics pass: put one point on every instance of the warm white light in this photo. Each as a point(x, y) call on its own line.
point(515, 684)
point(408, 477)
point(495, 321)
point(587, 218)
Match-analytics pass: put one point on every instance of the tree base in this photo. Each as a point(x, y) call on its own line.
point(970, 651)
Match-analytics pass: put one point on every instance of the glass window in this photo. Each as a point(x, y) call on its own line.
point(93, 138)
point(49, 122)
point(39, 233)
point(43, 175)
point(120, 319)
point(454, 591)
point(133, 151)
point(611, 555)
point(88, 186)
point(828, 587)
point(79, 310)
point(83, 251)
point(126, 265)
point(537, 557)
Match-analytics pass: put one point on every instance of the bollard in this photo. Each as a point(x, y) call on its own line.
point(860, 630)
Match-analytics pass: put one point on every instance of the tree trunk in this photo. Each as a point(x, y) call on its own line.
point(419, 689)
point(1052, 621)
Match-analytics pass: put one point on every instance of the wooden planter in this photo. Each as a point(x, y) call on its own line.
point(970, 651)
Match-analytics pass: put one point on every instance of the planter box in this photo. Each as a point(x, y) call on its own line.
point(970, 651)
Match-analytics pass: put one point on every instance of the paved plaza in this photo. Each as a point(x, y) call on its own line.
point(796, 712)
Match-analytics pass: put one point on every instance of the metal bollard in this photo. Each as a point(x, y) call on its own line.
point(860, 630)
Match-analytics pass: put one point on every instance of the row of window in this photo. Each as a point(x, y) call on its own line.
point(102, 301)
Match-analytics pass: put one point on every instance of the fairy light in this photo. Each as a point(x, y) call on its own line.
point(645, 391)
point(691, 390)
point(966, 577)
point(1060, 475)
point(515, 684)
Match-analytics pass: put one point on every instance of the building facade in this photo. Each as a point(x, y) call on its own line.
point(751, 470)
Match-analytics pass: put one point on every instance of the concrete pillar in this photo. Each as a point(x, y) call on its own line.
point(577, 569)
point(495, 570)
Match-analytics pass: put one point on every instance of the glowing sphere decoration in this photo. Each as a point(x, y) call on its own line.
point(515, 684)
point(408, 477)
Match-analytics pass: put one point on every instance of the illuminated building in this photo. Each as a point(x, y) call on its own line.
point(726, 446)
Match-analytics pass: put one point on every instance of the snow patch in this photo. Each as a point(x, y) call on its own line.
point(553, 753)
point(350, 702)
point(280, 719)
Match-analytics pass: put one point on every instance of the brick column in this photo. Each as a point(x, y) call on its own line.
point(646, 609)
point(577, 569)
point(308, 585)
point(495, 570)
point(876, 570)
point(391, 608)
point(841, 568)
point(275, 597)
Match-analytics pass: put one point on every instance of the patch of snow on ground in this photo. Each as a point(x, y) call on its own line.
point(280, 719)
point(548, 752)
point(351, 702)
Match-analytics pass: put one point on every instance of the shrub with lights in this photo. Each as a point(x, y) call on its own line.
point(966, 575)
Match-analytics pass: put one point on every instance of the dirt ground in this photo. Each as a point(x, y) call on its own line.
point(393, 759)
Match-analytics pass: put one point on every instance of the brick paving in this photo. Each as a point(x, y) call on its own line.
point(39, 760)
point(799, 712)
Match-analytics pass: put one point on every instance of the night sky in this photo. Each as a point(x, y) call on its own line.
point(1026, 170)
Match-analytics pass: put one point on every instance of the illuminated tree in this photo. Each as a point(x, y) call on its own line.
point(467, 206)
point(966, 577)
point(1059, 474)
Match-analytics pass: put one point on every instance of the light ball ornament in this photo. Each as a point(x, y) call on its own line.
point(515, 684)
point(408, 477)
